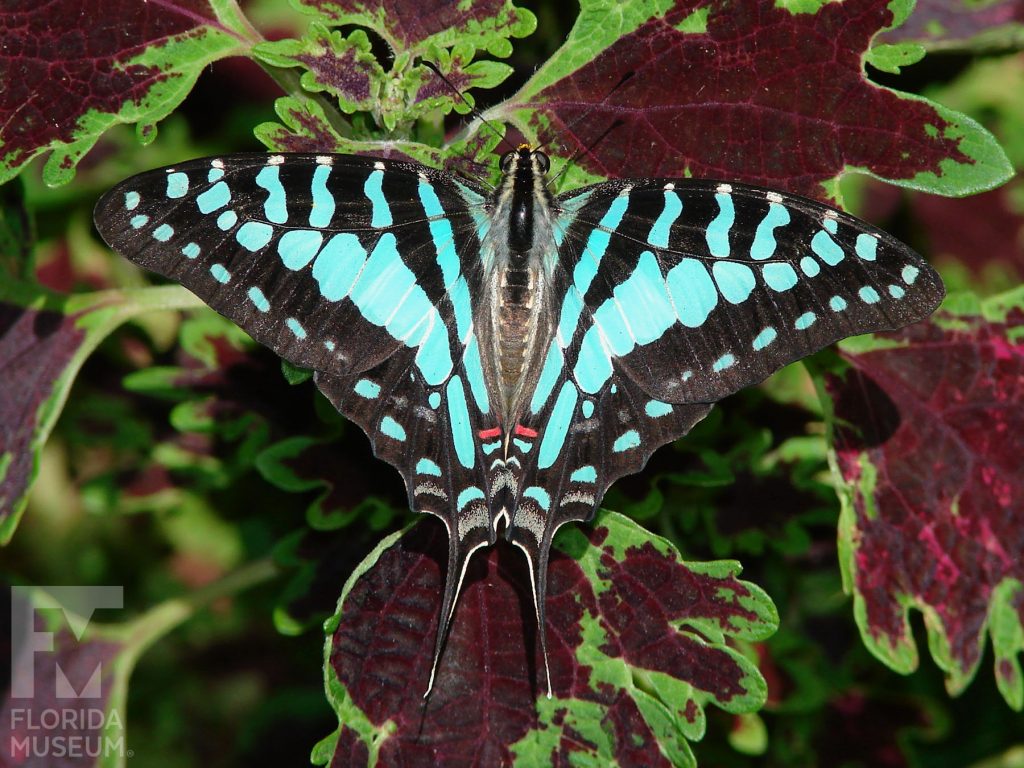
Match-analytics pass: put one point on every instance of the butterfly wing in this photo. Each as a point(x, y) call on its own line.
point(363, 270)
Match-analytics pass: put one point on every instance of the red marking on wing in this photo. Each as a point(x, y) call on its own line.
point(487, 433)
point(525, 431)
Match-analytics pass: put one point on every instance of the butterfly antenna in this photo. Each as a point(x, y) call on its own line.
point(472, 109)
point(622, 81)
point(583, 151)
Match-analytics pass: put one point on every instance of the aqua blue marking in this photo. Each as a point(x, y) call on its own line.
point(368, 389)
point(258, 299)
point(896, 292)
point(909, 274)
point(868, 295)
point(177, 185)
point(764, 338)
point(585, 474)
point(427, 467)
point(593, 365)
point(735, 281)
point(522, 445)
point(656, 409)
point(275, 207)
point(597, 244)
point(295, 327)
point(809, 266)
point(462, 305)
point(434, 399)
point(254, 235)
point(548, 376)
point(190, 251)
point(220, 273)
point(441, 233)
point(867, 246)
point(588, 409)
point(469, 494)
point(660, 231)
point(163, 233)
point(297, 247)
point(805, 321)
point(764, 244)
point(837, 303)
point(572, 308)
point(780, 277)
point(227, 220)
point(826, 248)
point(474, 372)
point(610, 321)
point(693, 292)
point(329, 345)
point(490, 448)
point(830, 225)
point(215, 198)
point(538, 494)
point(625, 441)
point(215, 174)
point(139, 221)
point(614, 388)
point(392, 428)
point(725, 361)
point(687, 375)
point(558, 425)
point(717, 233)
point(645, 287)
point(373, 189)
point(322, 210)
point(337, 265)
point(434, 358)
point(131, 200)
point(458, 418)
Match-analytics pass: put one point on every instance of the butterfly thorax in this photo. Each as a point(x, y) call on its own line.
point(519, 241)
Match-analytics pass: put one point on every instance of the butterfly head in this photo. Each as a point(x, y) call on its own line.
point(525, 160)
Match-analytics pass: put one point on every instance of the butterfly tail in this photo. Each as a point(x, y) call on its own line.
point(535, 542)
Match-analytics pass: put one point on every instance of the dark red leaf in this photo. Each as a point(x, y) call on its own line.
point(961, 23)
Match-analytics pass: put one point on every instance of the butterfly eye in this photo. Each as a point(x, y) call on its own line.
point(506, 161)
point(542, 161)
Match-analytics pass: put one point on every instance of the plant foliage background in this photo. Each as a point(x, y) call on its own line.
point(874, 497)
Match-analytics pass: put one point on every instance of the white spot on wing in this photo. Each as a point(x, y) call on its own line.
point(725, 189)
point(380, 167)
point(773, 197)
point(275, 160)
point(217, 164)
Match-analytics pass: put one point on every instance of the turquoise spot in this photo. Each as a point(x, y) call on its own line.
point(588, 408)
point(427, 467)
point(522, 445)
point(538, 494)
point(780, 277)
point(613, 388)
point(131, 200)
point(655, 409)
point(717, 234)
point(368, 389)
point(725, 361)
point(337, 266)
point(297, 247)
point(585, 474)
point(735, 281)
point(764, 338)
point(220, 273)
point(558, 425)
point(625, 441)
point(227, 220)
point(660, 231)
point(830, 224)
point(548, 376)
point(868, 295)
point(138, 222)
point(764, 244)
point(322, 211)
point(490, 448)
point(458, 418)
point(296, 327)
point(597, 244)
point(434, 358)
point(214, 198)
point(276, 206)
point(434, 399)
point(163, 233)
point(867, 246)
point(837, 303)
point(191, 250)
point(329, 345)
point(392, 428)
point(474, 372)
point(468, 495)
point(805, 321)
point(441, 233)
point(258, 299)
point(809, 266)
point(692, 291)
point(896, 292)
point(215, 174)
point(458, 295)
point(373, 189)
point(177, 185)
point(254, 235)
point(593, 366)
point(909, 274)
point(826, 248)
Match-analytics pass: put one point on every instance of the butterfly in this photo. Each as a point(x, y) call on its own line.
point(512, 352)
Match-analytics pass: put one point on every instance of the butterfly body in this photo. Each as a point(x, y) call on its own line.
point(514, 352)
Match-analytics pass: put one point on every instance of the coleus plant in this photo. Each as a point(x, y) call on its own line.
point(748, 92)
